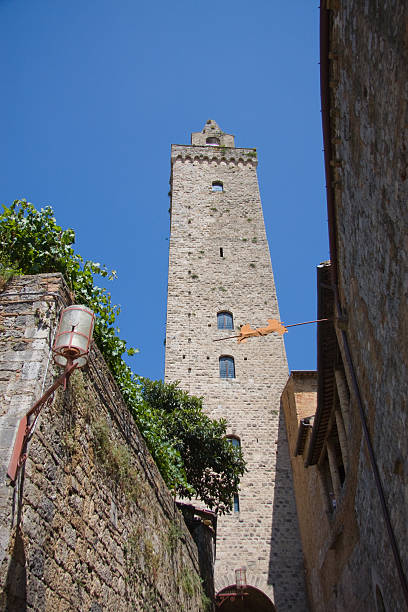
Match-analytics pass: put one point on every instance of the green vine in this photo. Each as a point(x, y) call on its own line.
point(189, 449)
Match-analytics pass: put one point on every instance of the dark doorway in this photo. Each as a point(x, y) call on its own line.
point(253, 600)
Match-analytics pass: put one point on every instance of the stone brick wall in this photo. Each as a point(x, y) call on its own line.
point(90, 525)
point(369, 116)
point(330, 540)
point(219, 261)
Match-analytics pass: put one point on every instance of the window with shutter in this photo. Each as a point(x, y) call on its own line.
point(225, 320)
point(227, 367)
point(234, 441)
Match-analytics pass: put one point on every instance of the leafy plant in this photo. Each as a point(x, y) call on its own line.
point(116, 460)
point(213, 466)
point(188, 447)
point(174, 535)
point(192, 586)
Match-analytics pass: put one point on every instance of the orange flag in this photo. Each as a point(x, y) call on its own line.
point(273, 326)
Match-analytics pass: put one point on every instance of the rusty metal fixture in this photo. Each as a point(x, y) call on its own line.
point(73, 337)
point(28, 421)
point(240, 578)
point(71, 350)
point(236, 591)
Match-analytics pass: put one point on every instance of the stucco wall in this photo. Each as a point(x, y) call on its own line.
point(90, 524)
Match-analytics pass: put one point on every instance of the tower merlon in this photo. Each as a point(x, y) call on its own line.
point(205, 153)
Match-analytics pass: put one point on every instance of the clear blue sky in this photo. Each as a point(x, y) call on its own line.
point(95, 91)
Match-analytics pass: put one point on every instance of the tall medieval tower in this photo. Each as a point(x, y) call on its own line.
point(220, 277)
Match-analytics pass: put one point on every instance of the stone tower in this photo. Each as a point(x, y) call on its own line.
point(220, 277)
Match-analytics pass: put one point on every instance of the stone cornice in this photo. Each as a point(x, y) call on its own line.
point(218, 154)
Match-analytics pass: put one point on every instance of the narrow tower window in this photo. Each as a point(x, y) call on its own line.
point(225, 320)
point(221, 252)
point(212, 140)
point(217, 186)
point(227, 367)
point(236, 502)
point(235, 441)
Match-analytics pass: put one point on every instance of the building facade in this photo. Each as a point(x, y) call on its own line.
point(220, 278)
point(350, 461)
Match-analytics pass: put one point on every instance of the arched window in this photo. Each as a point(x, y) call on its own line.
point(225, 320)
point(235, 441)
point(212, 140)
point(227, 367)
point(217, 186)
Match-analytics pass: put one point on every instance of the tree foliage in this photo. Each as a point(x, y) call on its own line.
point(190, 449)
point(213, 465)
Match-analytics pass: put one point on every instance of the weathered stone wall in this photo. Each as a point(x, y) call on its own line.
point(369, 116)
point(203, 280)
point(330, 539)
point(90, 524)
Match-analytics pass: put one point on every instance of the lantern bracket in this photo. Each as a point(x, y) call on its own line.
point(27, 423)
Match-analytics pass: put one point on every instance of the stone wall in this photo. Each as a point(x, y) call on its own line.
point(348, 553)
point(90, 524)
point(369, 120)
point(330, 539)
point(219, 261)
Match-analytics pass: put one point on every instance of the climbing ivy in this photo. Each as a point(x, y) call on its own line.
point(190, 449)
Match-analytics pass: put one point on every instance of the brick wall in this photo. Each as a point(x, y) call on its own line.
point(329, 539)
point(90, 524)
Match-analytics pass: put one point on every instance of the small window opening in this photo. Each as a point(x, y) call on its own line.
point(217, 186)
point(221, 252)
point(227, 367)
point(338, 456)
point(235, 441)
point(236, 502)
point(225, 320)
point(212, 140)
point(328, 482)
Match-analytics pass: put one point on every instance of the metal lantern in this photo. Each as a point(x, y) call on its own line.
point(240, 578)
point(71, 350)
point(74, 335)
